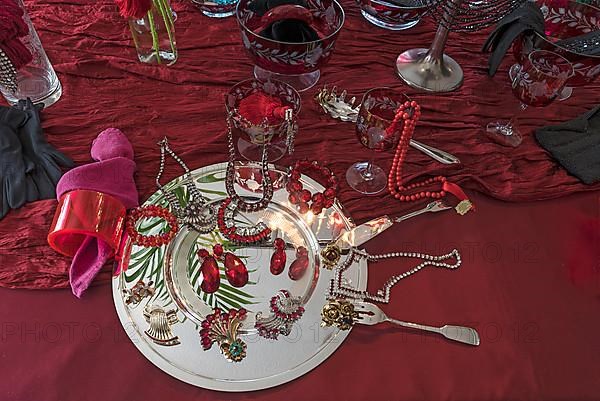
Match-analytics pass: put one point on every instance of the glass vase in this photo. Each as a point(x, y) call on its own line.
point(35, 80)
point(154, 34)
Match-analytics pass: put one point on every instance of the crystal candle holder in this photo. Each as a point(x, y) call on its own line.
point(296, 63)
point(249, 137)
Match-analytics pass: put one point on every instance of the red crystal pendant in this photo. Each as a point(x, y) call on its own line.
point(235, 270)
point(210, 274)
point(299, 266)
point(278, 262)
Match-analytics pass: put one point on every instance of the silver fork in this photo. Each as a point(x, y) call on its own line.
point(370, 314)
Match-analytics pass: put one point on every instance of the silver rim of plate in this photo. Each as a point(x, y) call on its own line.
point(268, 362)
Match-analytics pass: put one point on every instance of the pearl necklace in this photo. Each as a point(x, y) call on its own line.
point(338, 289)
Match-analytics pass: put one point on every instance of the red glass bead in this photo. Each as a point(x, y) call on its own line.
point(235, 270)
point(278, 261)
point(294, 198)
point(294, 186)
point(279, 243)
point(298, 267)
point(316, 208)
point(301, 251)
point(305, 195)
point(218, 250)
point(330, 193)
point(210, 275)
point(318, 198)
point(303, 207)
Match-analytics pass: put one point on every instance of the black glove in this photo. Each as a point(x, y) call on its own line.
point(43, 161)
point(290, 30)
point(575, 145)
point(13, 192)
point(528, 17)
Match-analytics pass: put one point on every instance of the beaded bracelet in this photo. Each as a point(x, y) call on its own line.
point(151, 240)
point(303, 198)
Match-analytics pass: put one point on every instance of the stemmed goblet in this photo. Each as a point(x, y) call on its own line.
point(377, 111)
point(293, 60)
point(537, 83)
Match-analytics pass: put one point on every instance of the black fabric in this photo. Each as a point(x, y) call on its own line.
point(528, 17)
point(290, 30)
point(13, 190)
point(260, 7)
point(44, 163)
point(575, 145)
point(29, 167)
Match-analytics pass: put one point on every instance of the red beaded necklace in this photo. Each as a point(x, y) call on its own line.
point(409, 113)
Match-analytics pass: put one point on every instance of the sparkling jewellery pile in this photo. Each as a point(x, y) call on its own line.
point(197, 213)
point(339, 310)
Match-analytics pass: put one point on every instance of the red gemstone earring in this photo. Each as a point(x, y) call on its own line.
point(235, 269)
point(299, 265)
point(279, 257)
point(210, 272)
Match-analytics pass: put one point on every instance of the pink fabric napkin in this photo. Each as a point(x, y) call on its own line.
point(110, 173)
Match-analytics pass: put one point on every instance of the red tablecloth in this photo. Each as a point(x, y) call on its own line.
point(539, 330)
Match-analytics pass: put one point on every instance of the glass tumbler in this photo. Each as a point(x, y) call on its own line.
point(216, 8)
point(35, 80)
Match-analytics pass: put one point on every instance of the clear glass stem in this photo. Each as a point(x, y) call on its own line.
point(367, 174)
point(513, 121)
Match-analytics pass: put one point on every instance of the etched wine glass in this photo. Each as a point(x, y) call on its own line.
point(377, 111)
point(537, 83)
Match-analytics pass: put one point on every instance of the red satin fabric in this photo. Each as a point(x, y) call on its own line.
point(539, 331)
point(104, 85)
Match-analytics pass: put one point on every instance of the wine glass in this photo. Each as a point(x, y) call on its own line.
point(563, 21)
point(377, 111)
point(394, 15)
point(251, 137)
point(537, 83)
point(297, 63)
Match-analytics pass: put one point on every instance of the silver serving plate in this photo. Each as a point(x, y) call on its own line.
point(268, 362)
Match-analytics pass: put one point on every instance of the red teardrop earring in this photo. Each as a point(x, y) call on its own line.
point(210, 272)
point(299, 265)
point(235, 269)
point(279, 257)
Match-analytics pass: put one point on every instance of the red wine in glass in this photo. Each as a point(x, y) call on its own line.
point(537, 83)
point(377, 111)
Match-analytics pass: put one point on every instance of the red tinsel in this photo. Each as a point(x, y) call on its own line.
point(12, 27)
point(259, 105)
point(134, 8)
